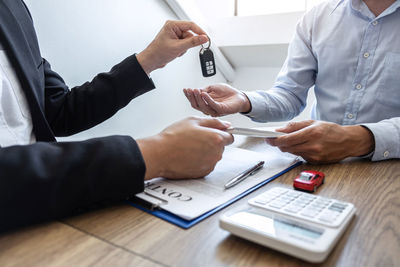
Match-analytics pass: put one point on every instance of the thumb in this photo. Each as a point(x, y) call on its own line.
point(193, 41)
point(214, 123)
point(295, 126)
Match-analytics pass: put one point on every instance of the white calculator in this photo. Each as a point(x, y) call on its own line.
point(297, 223)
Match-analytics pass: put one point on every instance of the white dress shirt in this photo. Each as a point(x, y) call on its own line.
point(15, 118)
point(353, 59)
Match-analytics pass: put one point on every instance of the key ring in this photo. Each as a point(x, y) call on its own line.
point(209, 44)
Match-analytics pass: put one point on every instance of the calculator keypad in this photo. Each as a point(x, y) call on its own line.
point(302, 205)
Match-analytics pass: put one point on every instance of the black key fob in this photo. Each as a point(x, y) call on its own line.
point(207, 61)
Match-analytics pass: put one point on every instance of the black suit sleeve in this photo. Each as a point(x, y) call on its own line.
point(44, 181)
point(82, 107)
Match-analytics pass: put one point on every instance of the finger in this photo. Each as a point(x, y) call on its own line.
point(211, 103)
point(187, 35)
point(211, 88)
point(190, 96)
point(185, 44)
point(295, 126)
point(184, 90)
point(227, 138)
point(189, 26)
point(208, 89)
point(289, 140)
point(203, 105)
point(270, 141)
point(224, 139)
point(214, 123)
point(192, 100)
point(304, 148)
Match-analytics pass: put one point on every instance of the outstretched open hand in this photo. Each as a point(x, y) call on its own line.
point(218, 100)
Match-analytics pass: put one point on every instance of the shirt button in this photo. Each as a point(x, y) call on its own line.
point(386, 154)
point(350, 116)
point(375, 23)
point(366, 55)
point(358, 86)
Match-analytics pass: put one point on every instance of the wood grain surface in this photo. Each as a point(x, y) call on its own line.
point(57, 244)
point(123, 235)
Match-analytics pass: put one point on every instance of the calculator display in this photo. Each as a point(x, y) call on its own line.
point(275, 226)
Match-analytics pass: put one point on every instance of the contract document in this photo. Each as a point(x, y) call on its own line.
point(189, 199)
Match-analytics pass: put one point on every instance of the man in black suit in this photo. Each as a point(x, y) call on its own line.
point(41, 179)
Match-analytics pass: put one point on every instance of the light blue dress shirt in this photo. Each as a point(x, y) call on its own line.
point(352, 58)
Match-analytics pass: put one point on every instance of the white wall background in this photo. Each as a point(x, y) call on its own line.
point(83, 38)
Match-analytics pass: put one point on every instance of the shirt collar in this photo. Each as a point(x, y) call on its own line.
point(361, 8)
point(338, 3)
point(393, 8)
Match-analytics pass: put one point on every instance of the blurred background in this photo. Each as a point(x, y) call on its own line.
point(249, 37)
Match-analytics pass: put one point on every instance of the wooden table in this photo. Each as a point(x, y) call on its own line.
point(125, 236)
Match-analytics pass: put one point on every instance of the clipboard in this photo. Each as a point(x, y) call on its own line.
point(186, 224)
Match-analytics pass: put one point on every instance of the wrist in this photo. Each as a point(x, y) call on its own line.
point(146, 62)
point(150, 149)
point(246, 104)
point(362, 140)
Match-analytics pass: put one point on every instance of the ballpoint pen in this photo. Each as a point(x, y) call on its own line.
point(237, 179)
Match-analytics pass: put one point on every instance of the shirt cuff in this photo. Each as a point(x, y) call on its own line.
point(259, 107)
point(385, 135)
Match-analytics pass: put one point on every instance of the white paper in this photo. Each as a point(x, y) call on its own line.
point(255, 132)
point(191, 198)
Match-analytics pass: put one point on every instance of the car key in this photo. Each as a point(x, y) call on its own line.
point(207, 61)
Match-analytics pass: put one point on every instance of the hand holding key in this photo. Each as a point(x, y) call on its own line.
point(173, 40)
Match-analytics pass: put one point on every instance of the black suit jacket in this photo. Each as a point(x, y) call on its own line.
point(48, 179)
